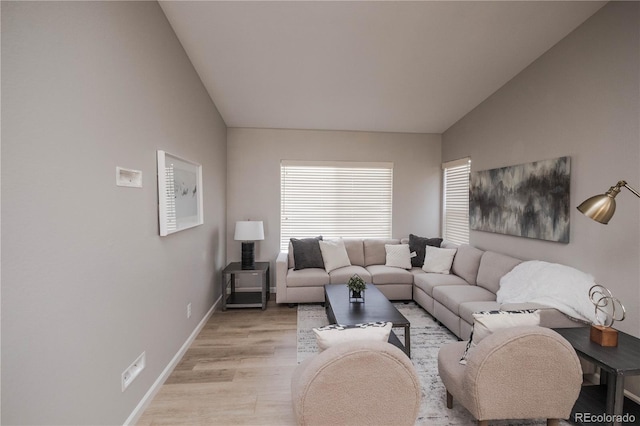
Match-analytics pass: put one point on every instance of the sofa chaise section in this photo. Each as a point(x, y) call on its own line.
point(453, 304)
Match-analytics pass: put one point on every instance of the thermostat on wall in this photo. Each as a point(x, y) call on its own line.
point(128, 177)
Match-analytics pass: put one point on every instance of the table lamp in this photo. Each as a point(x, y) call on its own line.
point(249, 231)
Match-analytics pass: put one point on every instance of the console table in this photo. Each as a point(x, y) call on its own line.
point(252, 299)
point(615, 364)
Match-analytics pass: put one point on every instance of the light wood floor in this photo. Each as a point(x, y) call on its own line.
point(237, 371)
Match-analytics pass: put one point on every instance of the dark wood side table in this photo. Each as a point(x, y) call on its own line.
point(615, 364)
point(252, 299)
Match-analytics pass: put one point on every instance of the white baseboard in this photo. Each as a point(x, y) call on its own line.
point(155, 388)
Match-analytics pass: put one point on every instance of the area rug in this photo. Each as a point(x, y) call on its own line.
point(426, 338)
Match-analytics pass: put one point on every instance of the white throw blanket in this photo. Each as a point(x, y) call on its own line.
point(550, 284)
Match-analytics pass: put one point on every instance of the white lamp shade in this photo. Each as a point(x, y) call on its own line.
point(249, 230)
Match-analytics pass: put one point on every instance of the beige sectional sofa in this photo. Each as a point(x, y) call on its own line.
point(452, 298)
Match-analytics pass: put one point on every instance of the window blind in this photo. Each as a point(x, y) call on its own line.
point(455, 204)
point(335, 199)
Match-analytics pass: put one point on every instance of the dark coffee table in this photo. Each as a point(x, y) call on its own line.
point(376, 308)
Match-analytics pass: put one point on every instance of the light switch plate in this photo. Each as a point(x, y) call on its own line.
point(128, 177)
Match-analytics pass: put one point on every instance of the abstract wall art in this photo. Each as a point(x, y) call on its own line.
point(527, 200)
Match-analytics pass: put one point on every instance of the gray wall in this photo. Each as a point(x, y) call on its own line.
point(87, 283)
point(580, 99)
point(253, 164)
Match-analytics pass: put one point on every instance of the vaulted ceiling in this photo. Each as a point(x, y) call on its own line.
point(390, 66)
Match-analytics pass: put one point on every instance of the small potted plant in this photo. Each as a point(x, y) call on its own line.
point(356, 287)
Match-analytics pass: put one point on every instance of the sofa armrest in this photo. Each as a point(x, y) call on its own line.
point(282, 267)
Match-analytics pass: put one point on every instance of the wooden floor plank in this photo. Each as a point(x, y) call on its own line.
point(201, 376)
point(236, 372)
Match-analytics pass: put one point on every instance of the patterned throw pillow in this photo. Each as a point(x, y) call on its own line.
point(335, 334)
point(398, 255)
point(487, 322)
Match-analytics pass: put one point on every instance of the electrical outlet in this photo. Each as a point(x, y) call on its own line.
point(132, 372)
point(188, 310)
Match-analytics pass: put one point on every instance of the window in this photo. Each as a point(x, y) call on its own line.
point(335, 199)
point(455, 205)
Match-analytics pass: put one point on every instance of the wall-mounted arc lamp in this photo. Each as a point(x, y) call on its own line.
point(602, 207)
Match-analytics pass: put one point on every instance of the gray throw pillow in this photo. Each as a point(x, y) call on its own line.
point(306, 253)
point(419, 245)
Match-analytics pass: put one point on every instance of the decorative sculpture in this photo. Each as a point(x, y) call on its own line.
point(608, 310)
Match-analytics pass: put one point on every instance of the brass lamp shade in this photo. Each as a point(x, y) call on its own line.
point(599, 208)
point(602, 207)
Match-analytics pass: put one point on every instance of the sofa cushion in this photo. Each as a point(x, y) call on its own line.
point(381, 274)
point(342, 275)
point(374, 252)
point(452, 296)
point(306, 253)
point(448, 244)
point(428, 281)
point(398, 255)
point(355, 250)
point(309, 277)
point(438, 260)
point(334, 254)
point(494, 266)
point(290, 262)
point(467, 262)
point(418, 245)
